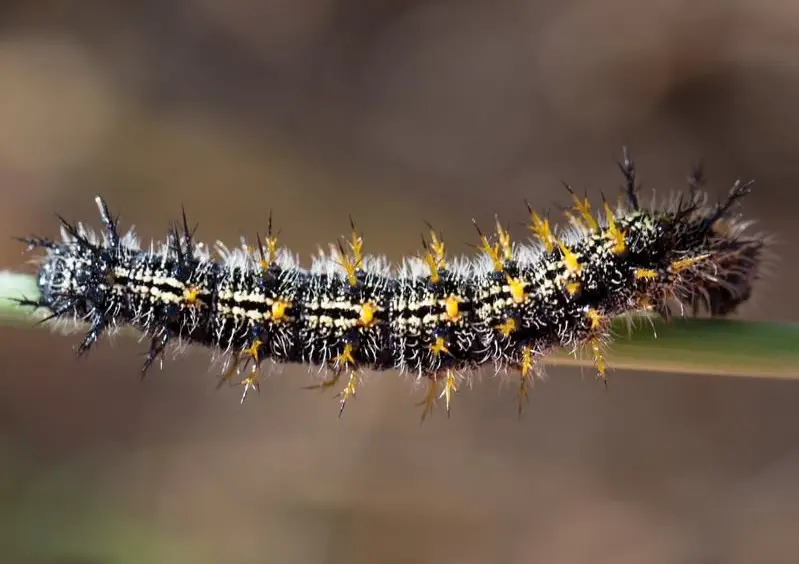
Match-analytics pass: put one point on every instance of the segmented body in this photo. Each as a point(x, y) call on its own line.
point(430, 316)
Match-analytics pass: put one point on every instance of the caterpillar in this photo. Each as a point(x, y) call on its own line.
point(436, 317)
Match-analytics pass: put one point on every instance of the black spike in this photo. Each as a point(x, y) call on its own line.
point(684, 210)
point(627, 167)
point(260, 248)
point(341, 249)
point(269, 230)
point(56, 313)
point(35, 243)
point(174, 243)
point(188, 236)
point(570, 190)
point(26, 302)
point(91, 336)
point(157, 346)
point(697, 179)
point(109, 222)
point(352, 224)
point(73, 232)
point(739, 190)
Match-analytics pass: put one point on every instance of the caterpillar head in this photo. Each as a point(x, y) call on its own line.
point(734, 259)
point(76, 275)
point(727, 282)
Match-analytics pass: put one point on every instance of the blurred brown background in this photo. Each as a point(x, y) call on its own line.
point(397, 112)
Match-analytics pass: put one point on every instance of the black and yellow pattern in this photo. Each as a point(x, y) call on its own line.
point(434, 317)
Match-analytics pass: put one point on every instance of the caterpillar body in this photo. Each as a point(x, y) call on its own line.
point(432, 316)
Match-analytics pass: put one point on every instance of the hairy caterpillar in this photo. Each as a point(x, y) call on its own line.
point(432, 316)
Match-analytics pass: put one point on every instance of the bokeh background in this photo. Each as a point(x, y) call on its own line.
point(396, 112)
